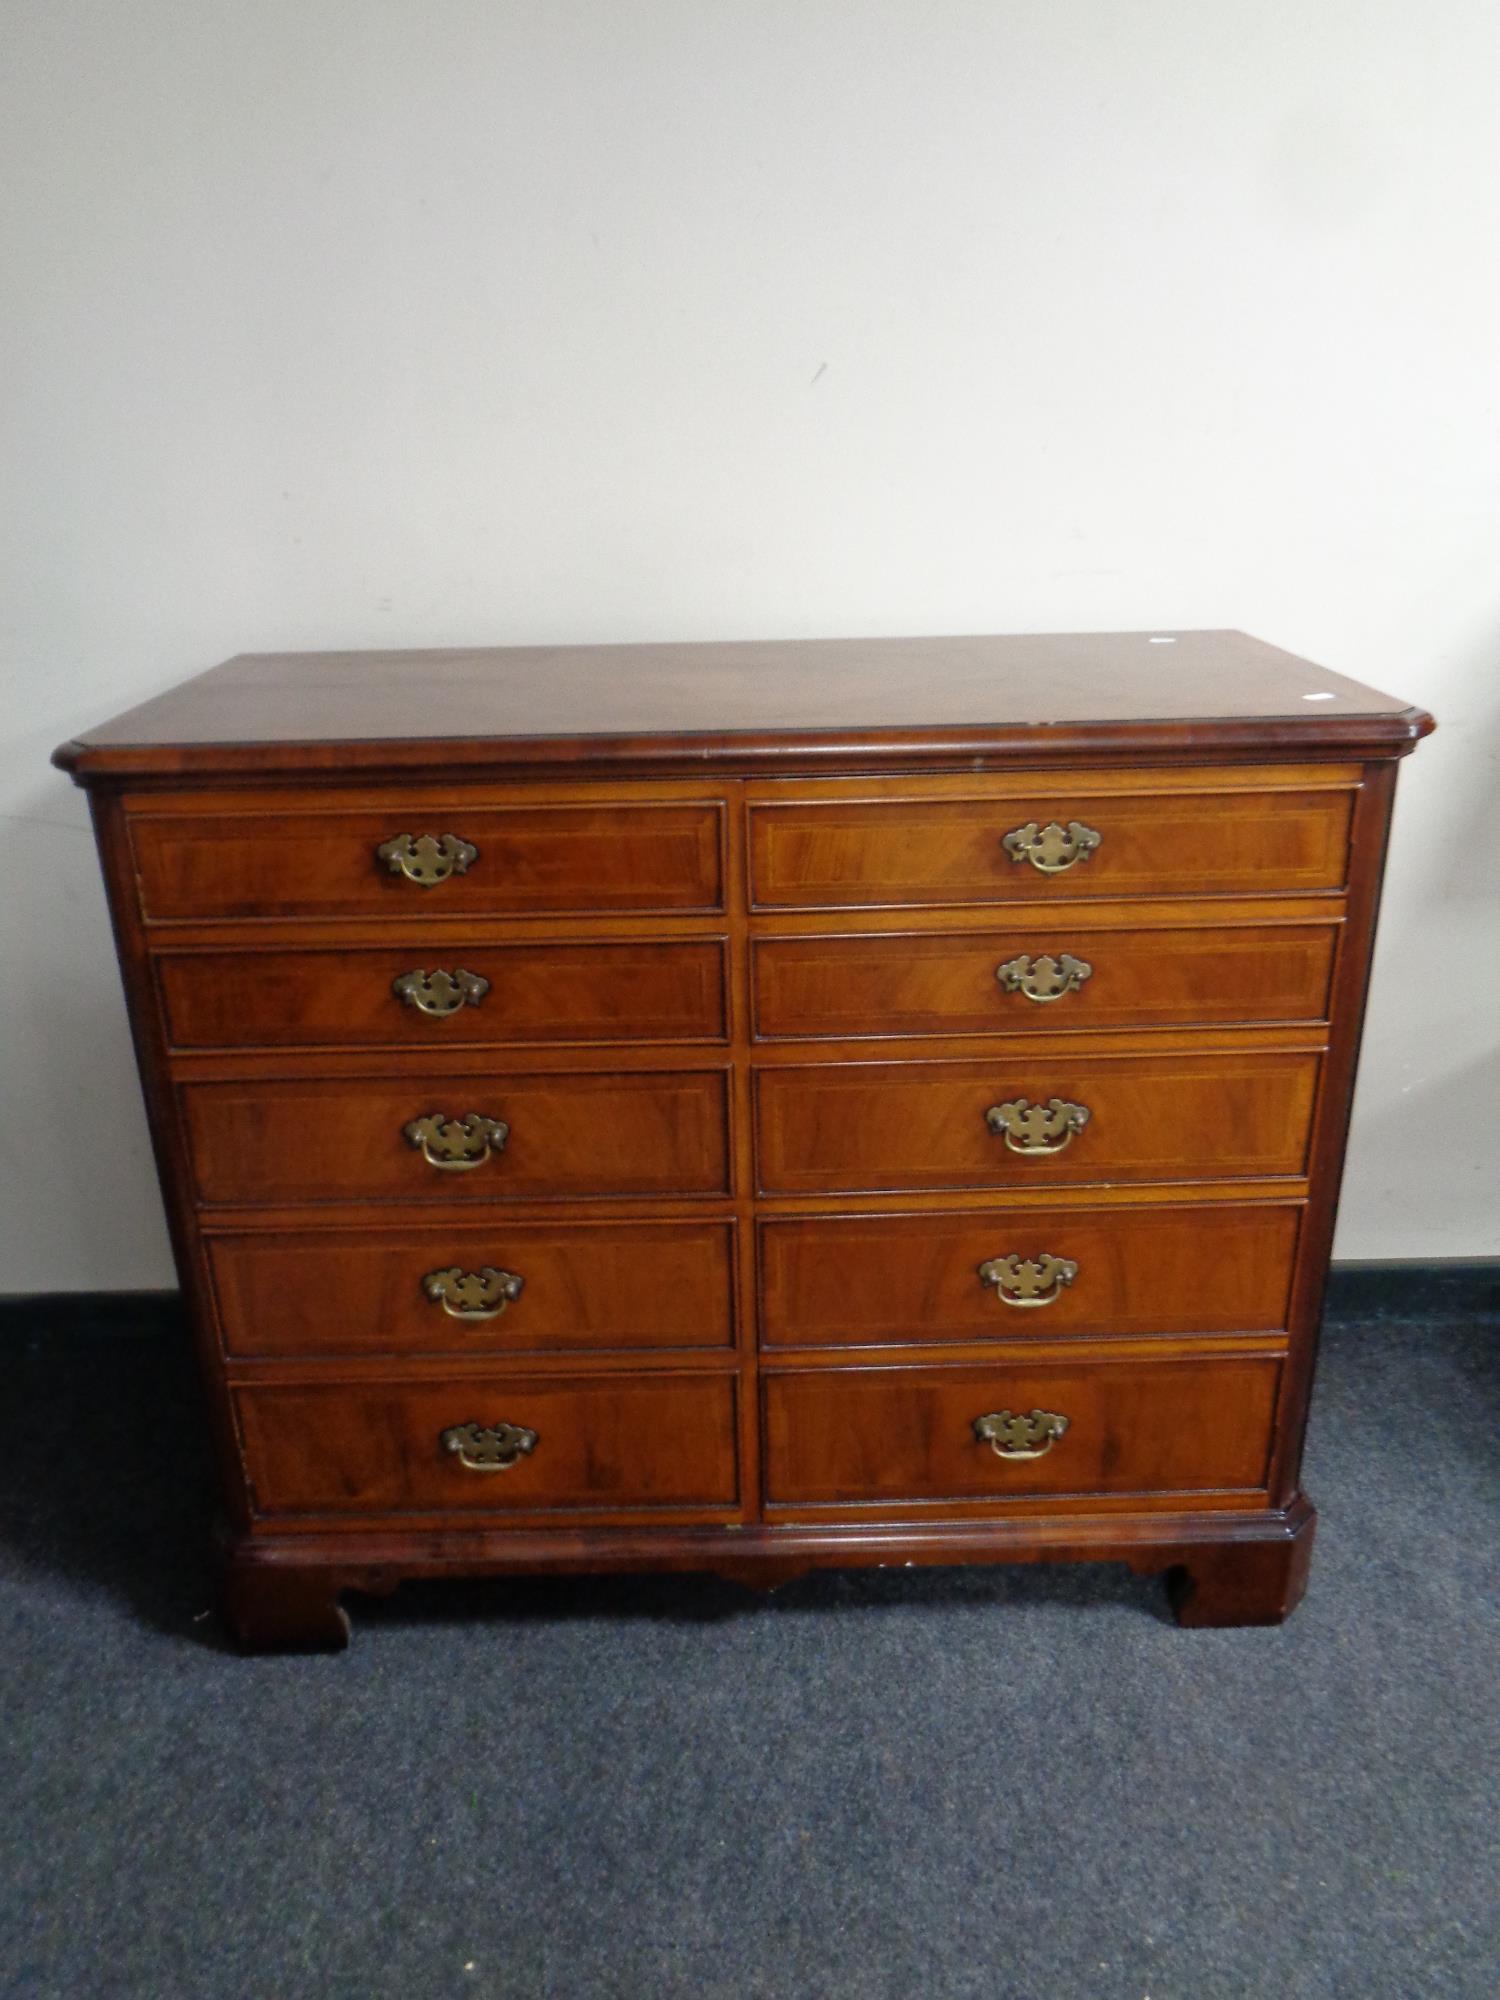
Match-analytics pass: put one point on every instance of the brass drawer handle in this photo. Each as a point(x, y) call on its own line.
point(489, 1447)
point(1051, 848)
point(457, 1144)
point(1010, 1434)
point(480, 1294)
point(1037, 1128)
point(1045, 978)
point(1028, 1281)
point(440, 993)
point(426, 858)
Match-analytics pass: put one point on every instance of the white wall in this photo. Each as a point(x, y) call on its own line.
point(423, 322)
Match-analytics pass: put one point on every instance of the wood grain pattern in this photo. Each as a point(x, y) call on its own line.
point(588, 1286)
point(539, 992)
point(750, 705)
point(570, 1134)
point(847, 854)
point(890, 985)
point(894, 1279)
point(846, 1436)
point(849, 1127)
point(1015, 781)
point(1239, 1566)
point(532, 859)
point(1330, 1131)
point(1235, 1583)
point(667, 837)
point(602, 1443)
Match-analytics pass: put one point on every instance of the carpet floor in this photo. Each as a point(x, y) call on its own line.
point(1016, 1784)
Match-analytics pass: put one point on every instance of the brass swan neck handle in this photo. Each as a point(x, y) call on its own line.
point(427, 858)
point(1037, 1128)
point(456, 1145)
point(1051, 849)
point(1013, 1434)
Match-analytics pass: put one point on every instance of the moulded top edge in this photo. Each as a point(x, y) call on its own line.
point(759, 754)
point(749, 706)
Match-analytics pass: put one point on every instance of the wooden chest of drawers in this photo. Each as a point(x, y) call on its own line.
point(753, 1106)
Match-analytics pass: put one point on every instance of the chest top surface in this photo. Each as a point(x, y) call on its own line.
point(748, 705)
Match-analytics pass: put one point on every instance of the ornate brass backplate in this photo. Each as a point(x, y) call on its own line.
point(1037, 1128)
point(456, 1144)
point(440, 993)
point(1045, 978)
point(489, 1447)
point(1010, 1434)
point(482, 1294)
point(1028, 1281)
point(1051, 848)
point(427, 858)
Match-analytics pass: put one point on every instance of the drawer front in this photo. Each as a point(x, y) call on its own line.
point(429, 995)
point(650, 1132)
point(516, 1287)
point(831, 1281)
point(865, 854)
point(844, 1436)
point(596, 1444)
point(460, 859)
point(866, 1127)
point(1040, 981)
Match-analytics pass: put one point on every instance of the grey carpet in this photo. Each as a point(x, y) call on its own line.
point(1022, 1785)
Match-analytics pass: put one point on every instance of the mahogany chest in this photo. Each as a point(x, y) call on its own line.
point(745, 1107)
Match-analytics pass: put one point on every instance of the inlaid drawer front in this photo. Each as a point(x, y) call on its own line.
point(829, 1281)
point(501, 1444)
point(428, 995)
point(850, 854)
point(850, 1127)
point(460, 1138)
point(403, 860)
point(844, 1436)
point(1040, 980)
point(499, 1289)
